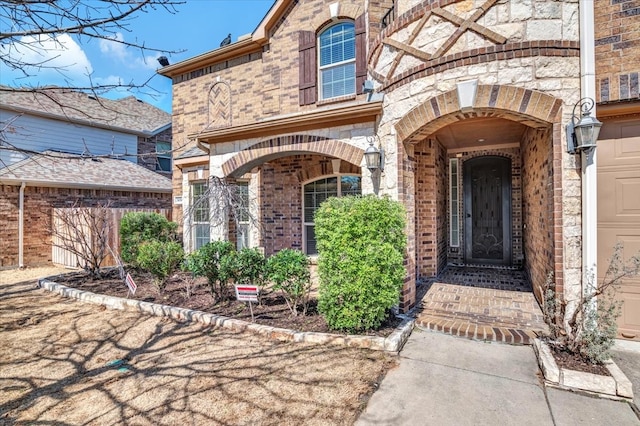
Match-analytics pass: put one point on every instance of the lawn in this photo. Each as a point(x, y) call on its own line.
point(65, 362)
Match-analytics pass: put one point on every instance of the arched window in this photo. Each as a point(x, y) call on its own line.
point(337, 59)
point(315, 193)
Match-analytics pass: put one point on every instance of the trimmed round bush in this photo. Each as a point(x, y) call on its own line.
point(361, 245)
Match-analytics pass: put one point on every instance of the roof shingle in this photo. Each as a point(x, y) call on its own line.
point(127, 113)
point(70, 171)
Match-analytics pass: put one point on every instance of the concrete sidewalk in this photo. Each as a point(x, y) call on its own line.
point(446, 380)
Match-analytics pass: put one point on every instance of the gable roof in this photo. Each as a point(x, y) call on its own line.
point(58, 170)
point(129, 115)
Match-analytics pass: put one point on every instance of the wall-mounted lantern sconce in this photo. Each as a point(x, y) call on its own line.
point(374, 156)
point(582, 134)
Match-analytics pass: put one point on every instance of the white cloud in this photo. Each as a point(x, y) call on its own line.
point(117, 51)
point(47, 54)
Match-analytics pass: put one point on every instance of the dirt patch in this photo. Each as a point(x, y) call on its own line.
point(183, 291)
point(66, 362)
point(571, 361)
point(12, 276)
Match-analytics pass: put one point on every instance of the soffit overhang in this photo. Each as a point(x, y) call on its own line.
point(354, 113)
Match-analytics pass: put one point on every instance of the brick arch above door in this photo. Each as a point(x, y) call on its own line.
point(530, 107)
point(282, 146)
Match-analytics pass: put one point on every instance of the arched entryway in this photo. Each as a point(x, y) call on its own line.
point(484, 175)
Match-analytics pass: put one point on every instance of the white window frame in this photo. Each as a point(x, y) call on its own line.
point(454, 202)
point(243, 234)
point(322, 68)
point(195, 224)
point(305, 224)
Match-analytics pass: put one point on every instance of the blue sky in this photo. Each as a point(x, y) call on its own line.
point(198, 26)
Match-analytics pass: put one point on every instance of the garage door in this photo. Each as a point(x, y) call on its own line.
point(619, 210)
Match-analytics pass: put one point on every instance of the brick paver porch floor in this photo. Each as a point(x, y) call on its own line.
point(489, 312)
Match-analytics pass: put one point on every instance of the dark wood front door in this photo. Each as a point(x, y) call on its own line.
point(487, 210)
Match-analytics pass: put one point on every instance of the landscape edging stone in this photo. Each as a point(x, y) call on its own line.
point(392, 343)
point(615, 386)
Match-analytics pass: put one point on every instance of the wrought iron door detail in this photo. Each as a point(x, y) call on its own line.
point(488, 210)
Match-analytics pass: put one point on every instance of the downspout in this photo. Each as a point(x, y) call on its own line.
point(21, 227)
point(589, 165)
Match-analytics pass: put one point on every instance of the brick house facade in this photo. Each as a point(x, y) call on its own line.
point(469, 101)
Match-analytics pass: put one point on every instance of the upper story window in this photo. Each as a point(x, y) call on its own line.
point(337, 61)
point(332, 62)
point(163, 156)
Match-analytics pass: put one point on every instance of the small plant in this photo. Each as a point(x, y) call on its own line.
point(161, 259)
point(589, 328)
point(361, 245)
point(289, 272)
point(212, 261)
point(138, 227)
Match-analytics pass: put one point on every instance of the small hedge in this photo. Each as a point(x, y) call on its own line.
point(161, 259)
point(361, 245)
point(213, 261)
point(289, 272)
point(139, 227)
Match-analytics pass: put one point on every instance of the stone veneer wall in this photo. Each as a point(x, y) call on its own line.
point(38, 202)
point(538, 208)
point(617, 34)
point(528, 77)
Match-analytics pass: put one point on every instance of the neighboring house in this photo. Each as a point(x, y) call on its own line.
point(60, 148)
point(79, 123)
point(468, 100)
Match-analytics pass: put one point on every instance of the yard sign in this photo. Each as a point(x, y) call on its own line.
point(248, 293)
point(131, 284)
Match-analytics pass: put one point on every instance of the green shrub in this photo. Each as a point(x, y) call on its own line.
point(250, 266)
point(212, 261)
point(361, 245)
point(288, 270)
point(138, 227)
point(161, 259)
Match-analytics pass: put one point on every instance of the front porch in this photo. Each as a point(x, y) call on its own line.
point(490, 304)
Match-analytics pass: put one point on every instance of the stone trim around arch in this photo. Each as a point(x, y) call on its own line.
point(291, 144)
point(530, 107)
point(323, 19)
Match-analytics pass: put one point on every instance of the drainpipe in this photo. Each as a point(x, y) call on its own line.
point(21, 227)
point(589, 166)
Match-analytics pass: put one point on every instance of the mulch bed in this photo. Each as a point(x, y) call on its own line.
point(183, 291)
point(571, 361)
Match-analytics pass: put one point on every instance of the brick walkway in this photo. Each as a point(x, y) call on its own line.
point(481, 313)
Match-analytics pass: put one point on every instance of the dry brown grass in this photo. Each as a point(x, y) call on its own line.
point(55, 369)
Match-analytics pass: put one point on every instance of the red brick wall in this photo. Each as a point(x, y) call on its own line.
point(617, 34)
point(38, 202)
point(281, 197)
point(431, 207)
point(537, 194)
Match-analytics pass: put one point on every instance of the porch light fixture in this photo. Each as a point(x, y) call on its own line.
point(374, 156)
point(582, 134)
